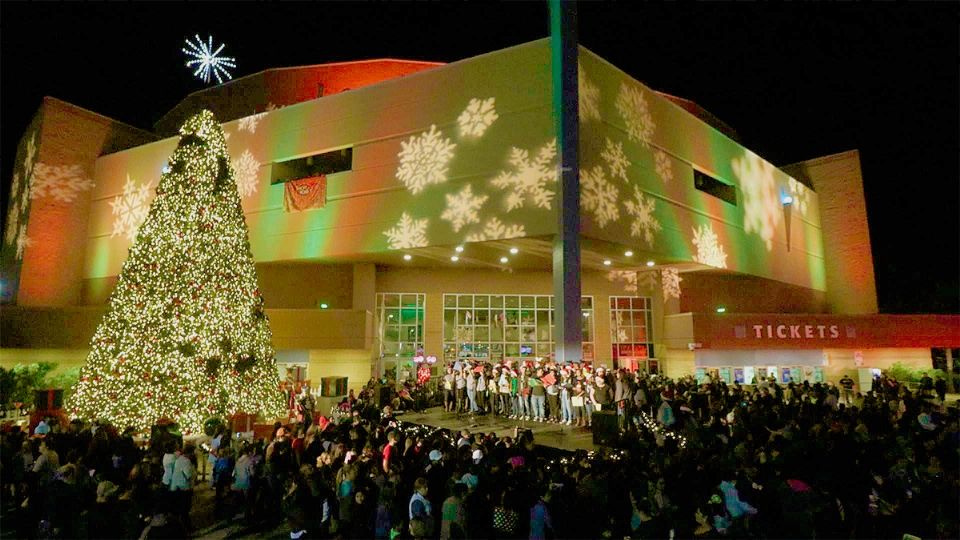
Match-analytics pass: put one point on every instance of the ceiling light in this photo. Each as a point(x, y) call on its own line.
point(628, 253)
point(650, 263)
point(407, 257)
point(787, 200)
point(324, 305)
point(504, 260)
point(721, 309)
point(607, 262)
point(454, 258)
point(514, 251)
point(458, 249)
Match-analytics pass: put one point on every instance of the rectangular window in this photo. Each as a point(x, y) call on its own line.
point(311, 166)
point(711, 186)
point(400, 329)
point(499, 326)
point(631, 333)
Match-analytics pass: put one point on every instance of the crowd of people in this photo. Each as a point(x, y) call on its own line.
point(697, 460)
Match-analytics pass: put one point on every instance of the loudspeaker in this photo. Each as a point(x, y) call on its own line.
point(605, 428)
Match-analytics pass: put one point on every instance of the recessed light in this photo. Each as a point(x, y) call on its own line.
point(628, 253)
point(504, 260)
point(585, 314)
point(324, 305)
point(514, 251)
point(607, 262)
point(458, 249)
point(454, 258)
point(651, 263)
point(407, 257)
point(786, 200)
point(721, 309)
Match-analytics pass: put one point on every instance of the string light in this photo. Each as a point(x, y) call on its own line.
point(207, 61)
point(185, 337)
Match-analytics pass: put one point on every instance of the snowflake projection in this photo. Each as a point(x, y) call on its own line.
point(588, 96)
point(22, 241)
point(206, 62)
point(761, 205)
point(246, 168)
point(272, 107)
point(61, 182)
point(528, 180)
point(494, 229)
point(663, 166)
point(249, 123)
point(477, 117)
point(644, 224)
point(30, 152)
point(130, 209)
point(599, 196)
point(616, 160)
point(633, 107)
point(13, 220)
point(408, 233)
point(670, 279)
point(462, 208)
point(627, 277)
point(709, 250)
point(648, 280)
point(800, 194)
point(424, 159)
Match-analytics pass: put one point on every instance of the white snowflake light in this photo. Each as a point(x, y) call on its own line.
point(599, 196)
point(205, 61)
point(670, 279)
point(494, 229)
point(762, 210)
point(663, 166)
point(644, 224)
point(627, 277)
point(632, 106)
point(424, 159)
point(246, 168)
point(61, 182)
point(528, 181)
point(588, 96)
point(462, 208)
point(408, 233)
point(709, 250)
point(130, 209)
point(477, 117)
point(30, 152)
point(22, 241)
point(249, 123)
point(616, 160)
point(800, 194)
point(13, 220)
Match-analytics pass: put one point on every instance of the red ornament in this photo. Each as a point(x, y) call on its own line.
point(148, 394)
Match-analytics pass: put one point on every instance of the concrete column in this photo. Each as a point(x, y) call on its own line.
point(365, 286)
point(568, 333)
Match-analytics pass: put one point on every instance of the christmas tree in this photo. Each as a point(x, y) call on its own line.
point(185, 337)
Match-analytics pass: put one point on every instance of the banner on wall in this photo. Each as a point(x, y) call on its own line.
point(305, 194)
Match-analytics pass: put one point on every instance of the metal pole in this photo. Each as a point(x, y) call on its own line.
point(568, 332)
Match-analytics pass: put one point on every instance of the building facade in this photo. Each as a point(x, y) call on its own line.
point(399, 209)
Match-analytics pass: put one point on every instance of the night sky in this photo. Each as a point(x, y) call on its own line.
point(796, 82)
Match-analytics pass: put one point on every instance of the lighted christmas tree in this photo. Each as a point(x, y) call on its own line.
point(185, 336)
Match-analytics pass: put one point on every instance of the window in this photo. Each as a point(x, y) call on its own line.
point(316, 165)
point(631, 324)
point(711, 186)
point(400, 329)
point(495, 327)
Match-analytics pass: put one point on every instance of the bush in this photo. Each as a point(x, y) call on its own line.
point(909, 374)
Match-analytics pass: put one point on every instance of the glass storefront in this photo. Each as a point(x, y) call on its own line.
point(631, 336)
point(498, 326)
point(400, 318)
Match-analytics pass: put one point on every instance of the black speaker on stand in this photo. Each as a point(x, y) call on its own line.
point(605, 428)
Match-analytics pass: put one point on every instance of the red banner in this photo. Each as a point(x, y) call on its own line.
point(305, 193)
